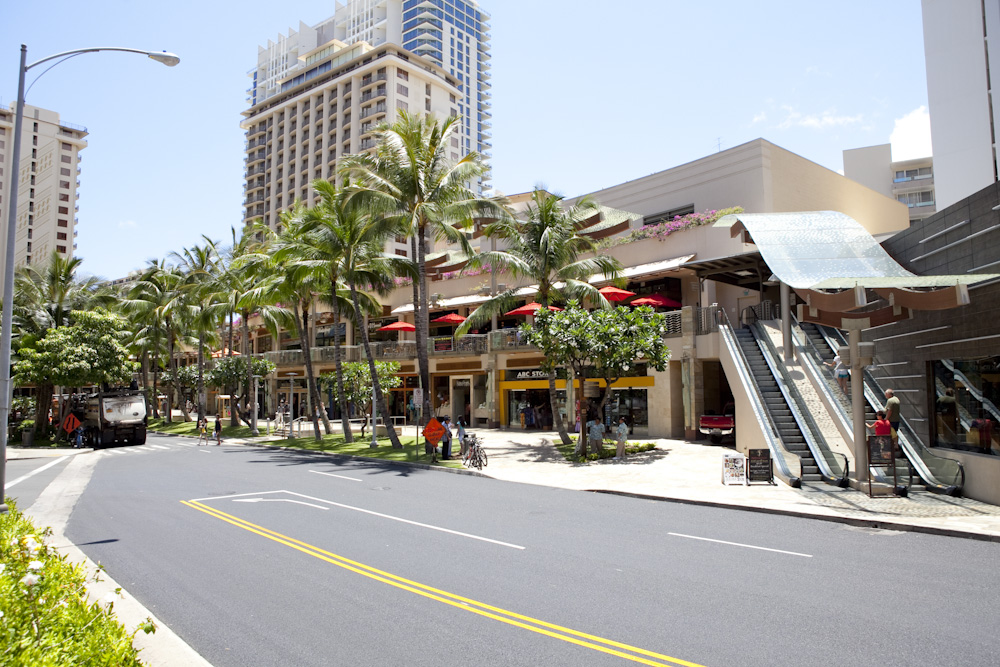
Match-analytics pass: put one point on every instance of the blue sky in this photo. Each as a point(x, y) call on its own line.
point(585, 95)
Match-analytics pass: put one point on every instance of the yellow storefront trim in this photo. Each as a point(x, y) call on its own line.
point(515, 385)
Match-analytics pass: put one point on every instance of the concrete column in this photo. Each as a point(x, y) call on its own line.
point(858, 408)
point(786, 324)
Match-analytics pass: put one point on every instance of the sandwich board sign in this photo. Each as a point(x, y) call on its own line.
point(733, 468)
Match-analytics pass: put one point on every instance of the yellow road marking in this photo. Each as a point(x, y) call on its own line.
point(457, 601)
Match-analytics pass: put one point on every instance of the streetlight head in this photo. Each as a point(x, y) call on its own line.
point(168, 59)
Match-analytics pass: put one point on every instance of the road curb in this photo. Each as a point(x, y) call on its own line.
point(851, 521)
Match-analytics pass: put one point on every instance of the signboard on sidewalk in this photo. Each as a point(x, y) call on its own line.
point(759, 467)
point(882, 454)
point(433, 431)
point(733, 468)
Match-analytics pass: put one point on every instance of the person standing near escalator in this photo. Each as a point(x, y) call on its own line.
point(892, 415)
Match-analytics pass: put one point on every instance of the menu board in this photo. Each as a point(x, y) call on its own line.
point(880, 452)
point(759, 466)
point(734, 468)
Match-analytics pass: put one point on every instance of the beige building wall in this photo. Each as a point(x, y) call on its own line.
point(870, 166)
point(47, 184)
point(299, 135)
point(802, 185)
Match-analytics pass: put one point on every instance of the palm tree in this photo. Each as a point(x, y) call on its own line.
point(328, 249)
point(44, 299)
point(410, 182)
point(205, 306)
point(150, 306)
point(544, 248)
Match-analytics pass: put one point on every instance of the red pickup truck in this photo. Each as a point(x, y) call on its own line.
point(717, 427)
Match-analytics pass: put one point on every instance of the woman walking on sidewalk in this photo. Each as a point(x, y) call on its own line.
point(202, 430)
point(218, 430)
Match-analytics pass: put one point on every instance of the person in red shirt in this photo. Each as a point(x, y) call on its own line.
point(881, 424)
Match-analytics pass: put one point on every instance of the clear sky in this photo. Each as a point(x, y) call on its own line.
point(585, 95)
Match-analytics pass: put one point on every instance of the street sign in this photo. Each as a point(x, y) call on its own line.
point(433, 431)
point(418, 395)
point(71, 423)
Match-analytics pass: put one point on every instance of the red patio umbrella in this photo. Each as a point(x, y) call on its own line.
point(224, 352)
point(530, 309)
point(655, 300)
point(450, 318)
point(614, 294)
point(398, 326)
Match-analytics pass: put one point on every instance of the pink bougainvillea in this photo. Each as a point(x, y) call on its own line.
point(662, 230)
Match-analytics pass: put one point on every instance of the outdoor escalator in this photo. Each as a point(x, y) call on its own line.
point(918, 465)
point(792, 423)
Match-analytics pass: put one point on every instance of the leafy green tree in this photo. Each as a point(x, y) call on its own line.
point(410, 181)
point(544, 248)
point(46, 298)
point(230, 372)
point(357, 381)
point(88, 352)
point(605, 343)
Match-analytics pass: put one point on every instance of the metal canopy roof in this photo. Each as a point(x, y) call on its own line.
point(828, 250)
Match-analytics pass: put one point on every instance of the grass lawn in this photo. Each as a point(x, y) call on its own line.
point(333, 443)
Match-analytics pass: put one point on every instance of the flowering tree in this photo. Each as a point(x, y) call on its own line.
point(660, 231)
point(604, 343)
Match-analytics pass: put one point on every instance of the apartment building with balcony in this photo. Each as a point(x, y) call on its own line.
point(328, 108)
point(48, 183)
point(451, 34)
point(910, 182)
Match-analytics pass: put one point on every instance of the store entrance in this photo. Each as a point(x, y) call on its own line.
point(529, 409)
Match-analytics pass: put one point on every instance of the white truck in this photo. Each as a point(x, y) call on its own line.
point(111, 417)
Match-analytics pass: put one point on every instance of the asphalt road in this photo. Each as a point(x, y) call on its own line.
point(268, 557)
point(26, 478)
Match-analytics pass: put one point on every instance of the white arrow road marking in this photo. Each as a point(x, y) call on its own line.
point(737, 544)
point(330, 474)
point(278, 500)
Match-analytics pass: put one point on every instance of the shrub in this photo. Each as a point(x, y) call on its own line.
point(630, 448)
point(662, 230)
point(45, 618)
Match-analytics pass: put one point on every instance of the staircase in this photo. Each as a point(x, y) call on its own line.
point(788, 430)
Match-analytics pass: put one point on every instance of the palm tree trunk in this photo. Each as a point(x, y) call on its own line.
point(345, 419)
point(581, 443)
point(379, 396)
point(249, 395)
point(423, 323)
point(234, 418)
point(156, 387)
point(310, 380)
point(557, 418)
point(144, 368)
point(172, 367)
point(202, 407)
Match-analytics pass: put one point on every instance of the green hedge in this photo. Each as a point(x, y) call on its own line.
point(46, 619)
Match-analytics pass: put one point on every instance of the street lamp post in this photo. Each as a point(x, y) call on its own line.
point(6, 390)
point(291, 411)
point(253, 407)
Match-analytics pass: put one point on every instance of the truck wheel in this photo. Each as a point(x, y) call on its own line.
point(716, 439)
point(139, 439)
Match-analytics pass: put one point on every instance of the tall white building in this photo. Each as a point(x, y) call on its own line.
point(326, 107)
point(452, 34)
point(908, 181)
point(963, 55)
point(47, 184)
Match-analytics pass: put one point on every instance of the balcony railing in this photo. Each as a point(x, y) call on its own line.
point(472, 344)
point(403, 349)
point(706, 320)
point(507, 340)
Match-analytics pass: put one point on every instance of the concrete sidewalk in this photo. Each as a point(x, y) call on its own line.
point(692, 472)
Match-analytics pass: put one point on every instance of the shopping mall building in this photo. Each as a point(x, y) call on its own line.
point(725, 274)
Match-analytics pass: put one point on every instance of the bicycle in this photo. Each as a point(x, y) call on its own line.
point(475, 455)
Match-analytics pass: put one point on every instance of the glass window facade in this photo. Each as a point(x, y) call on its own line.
point(966, 394)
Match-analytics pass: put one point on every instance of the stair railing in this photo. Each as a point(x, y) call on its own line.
point(785, 460)
point(834, 467)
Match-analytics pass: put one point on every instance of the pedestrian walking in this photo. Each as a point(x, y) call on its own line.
point(78, 442)
point(621, 436)
point(218, 430)
point(463, 445)
point(202, 430)
point(446, 439)
point(892, 415)
point(840, 372)
point(595, 432)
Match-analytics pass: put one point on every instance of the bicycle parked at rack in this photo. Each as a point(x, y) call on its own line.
point(475, 455)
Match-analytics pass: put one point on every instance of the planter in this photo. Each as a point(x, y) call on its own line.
point(27, 438)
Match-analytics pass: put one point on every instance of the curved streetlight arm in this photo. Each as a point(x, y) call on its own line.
point(6, 318)
point(168, 59)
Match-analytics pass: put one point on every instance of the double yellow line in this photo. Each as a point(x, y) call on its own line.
point(583, 639)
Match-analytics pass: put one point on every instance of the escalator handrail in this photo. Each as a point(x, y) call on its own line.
point(803, 419)
point(758, 404)
point(909, 443)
